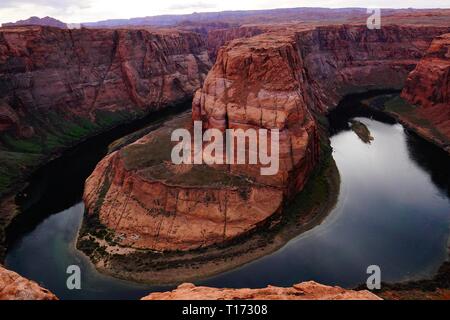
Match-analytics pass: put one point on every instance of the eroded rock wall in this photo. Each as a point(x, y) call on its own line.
point(81, 72)
point(428, 86)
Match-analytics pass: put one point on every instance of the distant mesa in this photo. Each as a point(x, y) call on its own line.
point(36, 21)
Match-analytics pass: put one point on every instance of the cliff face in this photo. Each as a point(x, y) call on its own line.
point(428, 86)
point(59, 86)
point(350, 59)
point(302, 291)
point(15, 287)
point(81, 72)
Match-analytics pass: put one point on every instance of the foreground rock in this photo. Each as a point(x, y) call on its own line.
point(303, 291)
point(428, 87)
point(15, 287)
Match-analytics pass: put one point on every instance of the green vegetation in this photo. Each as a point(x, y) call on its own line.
point(401, 108)
point(53, 133)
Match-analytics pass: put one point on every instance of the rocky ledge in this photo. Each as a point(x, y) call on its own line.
point(303, 291)
point(15, 287)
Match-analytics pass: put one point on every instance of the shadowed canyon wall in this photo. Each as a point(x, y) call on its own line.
point(59, 86)
point(428, 88)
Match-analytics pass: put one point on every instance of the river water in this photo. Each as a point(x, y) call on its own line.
point(393, 211)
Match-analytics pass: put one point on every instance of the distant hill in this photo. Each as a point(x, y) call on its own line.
point(36, 21)
point(289, 15)
point(233, 17)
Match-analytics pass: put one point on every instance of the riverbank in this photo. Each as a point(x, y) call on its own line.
point(408, 116)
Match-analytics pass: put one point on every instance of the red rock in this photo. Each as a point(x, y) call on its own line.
point(15, 287)
point(303, 291)
point(81, 72)
point(428, 86)
point(219, 37)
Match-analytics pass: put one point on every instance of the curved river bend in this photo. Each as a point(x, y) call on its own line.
point(393, 211)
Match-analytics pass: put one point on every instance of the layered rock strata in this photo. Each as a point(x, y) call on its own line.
point(59, 86)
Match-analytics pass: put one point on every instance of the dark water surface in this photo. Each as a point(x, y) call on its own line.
point(393, 211)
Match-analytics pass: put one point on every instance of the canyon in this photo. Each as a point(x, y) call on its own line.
point(59, 87)
point(285, 79)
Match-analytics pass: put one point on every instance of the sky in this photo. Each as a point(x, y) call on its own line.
point(75, 11)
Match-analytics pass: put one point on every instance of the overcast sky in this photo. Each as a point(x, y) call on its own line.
point(73, 11)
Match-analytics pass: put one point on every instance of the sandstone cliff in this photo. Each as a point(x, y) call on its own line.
point(15, 287)
point(219, 37)
point(59, 86)
point(428, 88)
point(302, 291)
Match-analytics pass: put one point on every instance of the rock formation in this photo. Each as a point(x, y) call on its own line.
point(303, 291)
point(219, 37)
point(428, 87)
point(146, 202)
point(15, 287)
point(277, 80)
point(59, 86)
